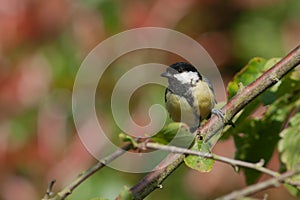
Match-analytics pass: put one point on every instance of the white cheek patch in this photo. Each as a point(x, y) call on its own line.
point(187, 77)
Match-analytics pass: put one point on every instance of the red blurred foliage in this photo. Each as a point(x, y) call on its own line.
point(30, 21)
point(53, 149)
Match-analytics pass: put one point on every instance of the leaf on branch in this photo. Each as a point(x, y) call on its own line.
point(255, 67)
point(199, 163)
point(127, 138)
point(256, 138)
point(289, 148)
point(125, 194)
point(176, 134)
point(248, 74)
point(256, 141)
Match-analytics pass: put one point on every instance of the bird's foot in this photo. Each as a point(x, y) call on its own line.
point(219, 113)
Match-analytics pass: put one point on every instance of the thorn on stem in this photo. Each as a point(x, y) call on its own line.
point(261, 163)
point(49, 192)
point(236, 168)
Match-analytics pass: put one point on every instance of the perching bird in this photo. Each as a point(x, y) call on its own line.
point(190, 97)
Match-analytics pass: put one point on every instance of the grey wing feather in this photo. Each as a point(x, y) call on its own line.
point(166, 91)
point(209, 85)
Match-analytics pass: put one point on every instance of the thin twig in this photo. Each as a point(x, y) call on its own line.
point(235, 163)
point(83, 176)
point(49, 192)
point(180, 154)
point(273, 182)
point(215, 124)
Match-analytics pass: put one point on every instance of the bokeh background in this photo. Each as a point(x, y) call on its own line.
point(42, 44)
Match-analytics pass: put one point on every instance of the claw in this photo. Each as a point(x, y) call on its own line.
point(219, 113)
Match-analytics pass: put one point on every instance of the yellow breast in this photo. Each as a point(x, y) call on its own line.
point(181, 111)
point(205, 99)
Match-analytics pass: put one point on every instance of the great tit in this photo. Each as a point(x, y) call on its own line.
point(189, 97)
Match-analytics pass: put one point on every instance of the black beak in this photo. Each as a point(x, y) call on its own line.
point(166, 74)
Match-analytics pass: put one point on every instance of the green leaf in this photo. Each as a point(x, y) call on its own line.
point(292, 189)
point(256, 138)
point(254, 68)
point(289, 144)
point(127, 138)
point(289, 86)
point(255, 141)
point(289, 149)
point(295, 75)
point(248, 74)
point(126, 194)
point(271, 62)
point(199, 163)
point(176, 134)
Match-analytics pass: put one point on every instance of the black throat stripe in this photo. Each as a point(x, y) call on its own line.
point(181, 90)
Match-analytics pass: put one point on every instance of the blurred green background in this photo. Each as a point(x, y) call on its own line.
point(42, 44)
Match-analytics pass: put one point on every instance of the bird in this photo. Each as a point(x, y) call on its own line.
point(189, 97)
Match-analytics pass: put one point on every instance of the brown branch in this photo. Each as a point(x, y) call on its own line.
point(151, 181)
point(250, 92)
point(235, 163)
point(273, 182)
point(154, 179)
point(86, 174)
